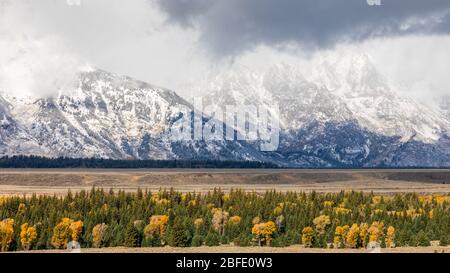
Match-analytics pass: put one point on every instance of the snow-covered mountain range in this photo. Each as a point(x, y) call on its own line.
point(342, 113)
point(107, 116)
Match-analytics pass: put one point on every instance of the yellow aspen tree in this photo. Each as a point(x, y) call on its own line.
point(226, 197)
point(337, 237)
point(6, 234)
point(342, 210)
point(376, 200)
point(268, 231)
point(328, 204)
point(340, 235)
point(76, 229)
point(163, 220)
point(28, 236)
point(278, 210)
point(183, 197)
point(22, 207)
point(390, 237)
point(220, 218)
point(307, 236)
point(98, 234)
point(163, 202)
point(198, 223)
point(257, 232)
point(2, 200)
point(157, 225)
point(62, 233)
point(344, 232)
point(256, 220)
point(376, 231)
point(263, 232)
point(353, 236)
point(363, 233)
point(321, 222)
point(235, 220)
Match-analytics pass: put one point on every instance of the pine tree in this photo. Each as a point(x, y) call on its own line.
point(179, 234)
point(212, 239)
point(131, 236)
point(422, 239)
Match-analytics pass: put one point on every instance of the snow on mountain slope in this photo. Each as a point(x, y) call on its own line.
point(14, 139)
point(111, 116)
point(343, 112)
point(337, 88)
point(299, 101)
point(444, 105)
point(373, 100)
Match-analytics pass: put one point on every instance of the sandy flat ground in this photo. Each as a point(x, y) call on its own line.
point(232, 249)
point(59, 181)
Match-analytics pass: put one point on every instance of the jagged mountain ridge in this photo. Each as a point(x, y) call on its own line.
point(373, 99)
point(107, 116)
point(344, 113)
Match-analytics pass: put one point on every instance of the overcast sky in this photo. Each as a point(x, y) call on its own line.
point(173, 42)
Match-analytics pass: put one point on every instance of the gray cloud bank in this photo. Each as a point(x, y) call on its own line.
point(228, 27)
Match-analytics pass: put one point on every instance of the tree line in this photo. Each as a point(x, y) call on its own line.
point(101, 163)
point(99, 218)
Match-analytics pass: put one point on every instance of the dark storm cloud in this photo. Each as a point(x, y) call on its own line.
point(230, 26)
point(185, 10)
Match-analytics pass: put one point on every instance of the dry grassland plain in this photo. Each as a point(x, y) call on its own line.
point(382, 182)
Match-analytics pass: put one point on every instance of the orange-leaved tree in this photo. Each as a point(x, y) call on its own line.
point(157, 226)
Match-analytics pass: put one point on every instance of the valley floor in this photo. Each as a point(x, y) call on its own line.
point(385, 182)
